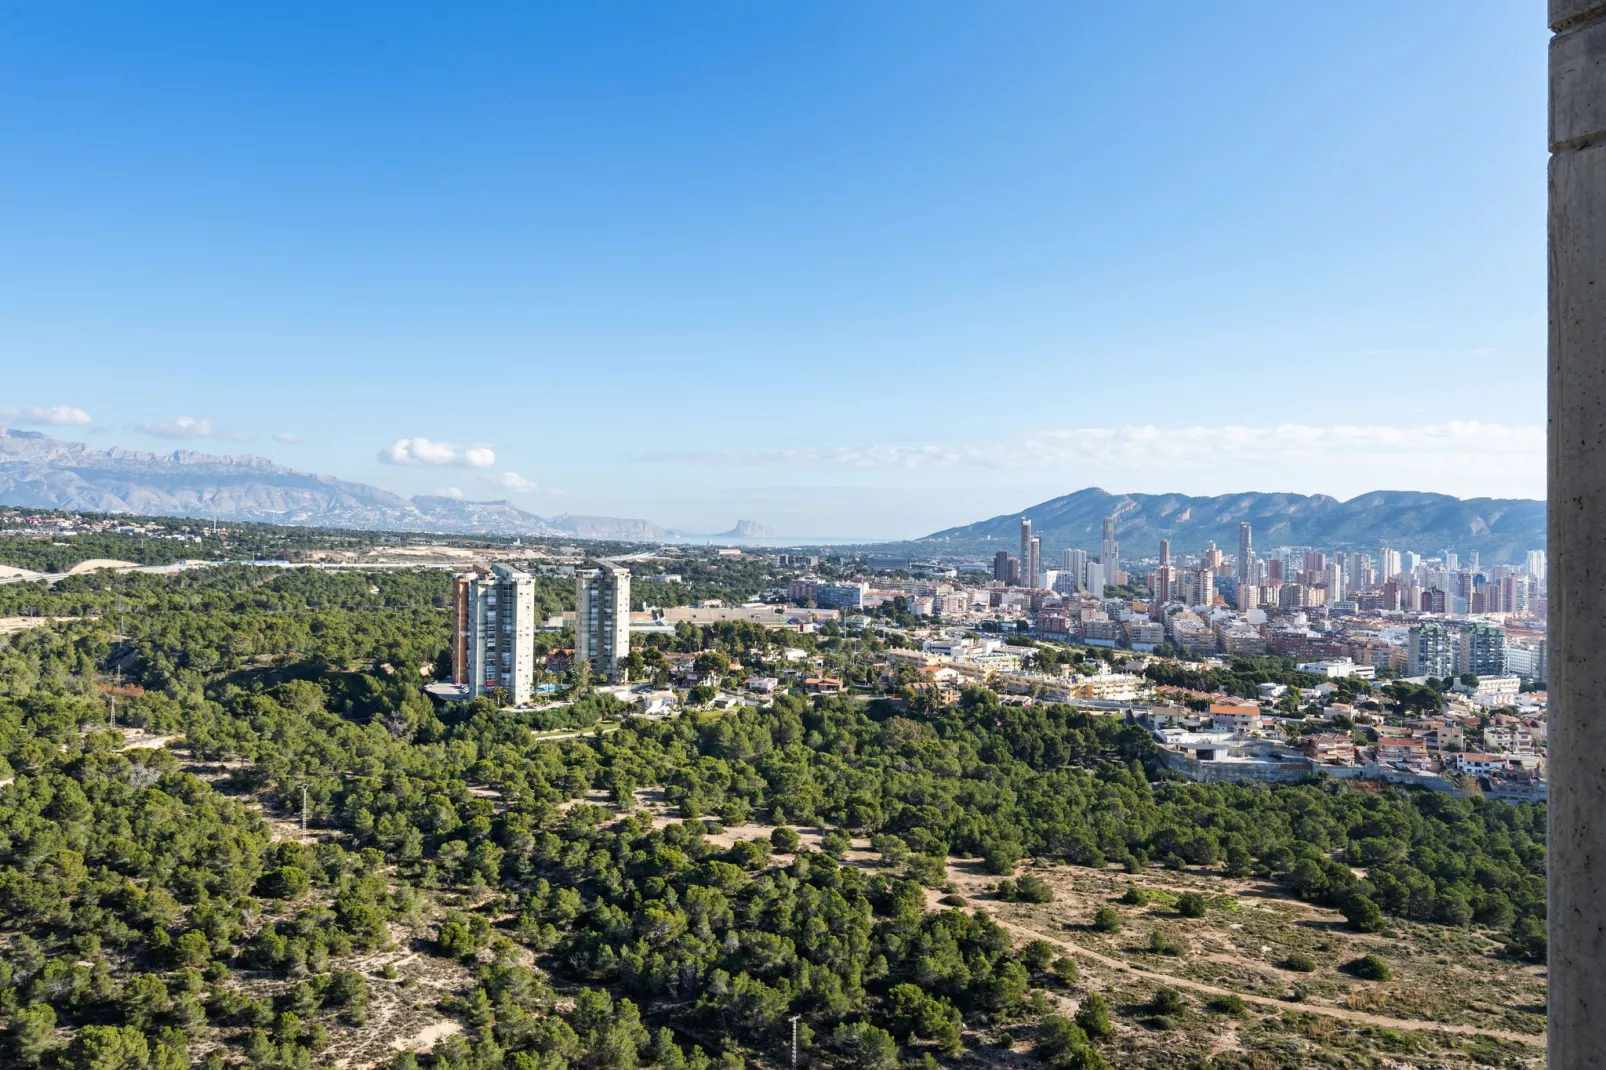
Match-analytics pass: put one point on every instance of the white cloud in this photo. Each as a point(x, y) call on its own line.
point(287, 436)
point(423, 451)
point(1172, 448)
point(55, 416)
point(449, 492)
point(187, 427)
point(514, 481)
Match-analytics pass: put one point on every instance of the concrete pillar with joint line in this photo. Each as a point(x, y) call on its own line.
point(1577, 534)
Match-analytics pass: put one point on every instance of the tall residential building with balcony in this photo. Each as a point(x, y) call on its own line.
point(1245, 561)
point(497, 640)
point(602, 619)
point(1482, 650)
point(1432, 650)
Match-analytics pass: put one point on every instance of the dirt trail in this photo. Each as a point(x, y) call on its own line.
point(1342, 1013)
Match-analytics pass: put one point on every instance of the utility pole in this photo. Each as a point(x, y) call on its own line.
point(793, 1020)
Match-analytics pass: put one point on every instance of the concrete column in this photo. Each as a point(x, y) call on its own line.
point(1577, 533)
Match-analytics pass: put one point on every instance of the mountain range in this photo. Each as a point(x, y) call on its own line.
point(1500, 529)
point(41, 472)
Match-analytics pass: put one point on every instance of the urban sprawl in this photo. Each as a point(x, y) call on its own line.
point(1411, 669)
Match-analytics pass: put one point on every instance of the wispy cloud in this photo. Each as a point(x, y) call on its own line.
point(188, 427)
point(514, 481)
point(449, 492)
point(289, 437)
point(425, 452)
point(55, 416)
point(1173, 448)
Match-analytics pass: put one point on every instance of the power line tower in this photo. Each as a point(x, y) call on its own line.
point(303, 810)
point(794, 1020)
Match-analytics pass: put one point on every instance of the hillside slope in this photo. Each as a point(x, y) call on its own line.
point(1500, 529)
point(41, 472)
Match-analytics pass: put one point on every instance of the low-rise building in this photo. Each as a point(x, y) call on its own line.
point(1218, 756)
point(1404, 749)
point(1237, 717)
point(1492, 691)
point(1328, 747)
point(1339, 668)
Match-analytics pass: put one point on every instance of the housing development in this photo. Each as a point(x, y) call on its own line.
point(1395, 666)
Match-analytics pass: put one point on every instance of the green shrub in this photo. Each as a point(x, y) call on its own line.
point(1094, 1016)
point(1191, 905)
point(1036, 955)
point(836, 843)
point(1107, 920)
point(1363, 914)
point(1166, 1001)
point(1034, 890)
point(1369, 968)
point(1298, 962)
point(1229, 1004)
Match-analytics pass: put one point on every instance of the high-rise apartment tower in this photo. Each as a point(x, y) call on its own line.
point(498, 643)
point(1075, 562)
point(1246, 554)
point(602, 619)
point(1030, 567)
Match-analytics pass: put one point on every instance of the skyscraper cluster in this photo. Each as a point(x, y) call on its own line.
point(1077, 572)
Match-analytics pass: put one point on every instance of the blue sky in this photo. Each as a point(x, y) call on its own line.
point(847, 269)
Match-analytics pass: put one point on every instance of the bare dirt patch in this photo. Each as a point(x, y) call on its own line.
point(13, 625)
point(97, 564)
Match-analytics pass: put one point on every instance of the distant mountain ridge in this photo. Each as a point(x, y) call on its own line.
point(1500, 529)
point(41, 472)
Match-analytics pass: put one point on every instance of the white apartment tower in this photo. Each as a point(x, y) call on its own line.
point(1110, 551)
point(1536, 568)
point(499, 644)
point(1075, 562)
point(602, 619)
point(1333, 579)
point(1246, 554)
